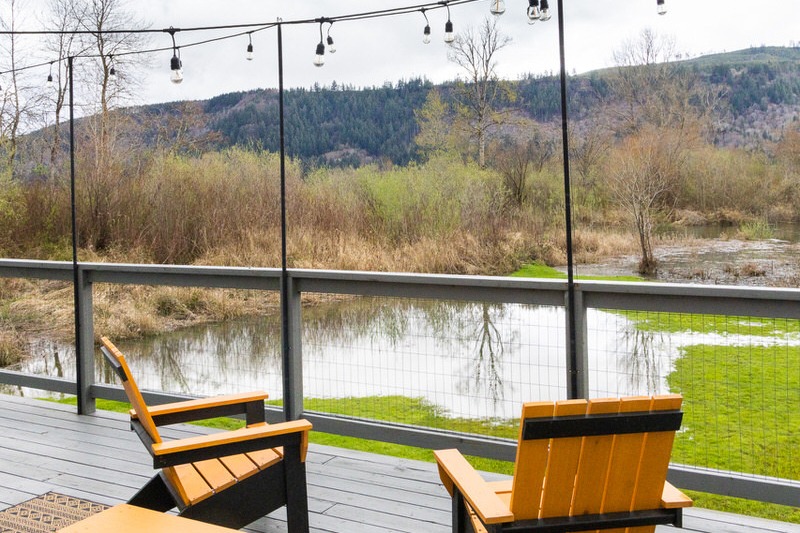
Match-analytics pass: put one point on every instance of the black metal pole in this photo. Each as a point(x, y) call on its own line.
point(76, 280)
point(573, 386)
point(286, 347)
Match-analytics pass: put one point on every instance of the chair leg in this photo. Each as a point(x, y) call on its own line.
point(296, 490)
point(459, 512)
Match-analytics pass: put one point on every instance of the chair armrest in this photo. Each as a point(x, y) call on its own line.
point(249, 403)
point(454, 470)
point(672, 498)
point(191, 449)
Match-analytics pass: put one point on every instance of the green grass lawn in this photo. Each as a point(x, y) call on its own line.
point(536, 270)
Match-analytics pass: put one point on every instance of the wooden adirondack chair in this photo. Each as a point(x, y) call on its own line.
point(230, 478)
point(581, 466)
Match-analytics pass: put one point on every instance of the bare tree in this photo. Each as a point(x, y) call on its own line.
point(649, 87)
point(103, 150)
point(64, 16)
point(475, 52)
point(662, 113)
point(19, 99)
point(641, 174)
point(527, 152)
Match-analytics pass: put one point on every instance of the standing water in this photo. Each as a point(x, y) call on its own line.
point(469, 360)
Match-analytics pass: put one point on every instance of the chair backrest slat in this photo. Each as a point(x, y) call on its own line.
point(530, 466)
point(590, 481)
point(120, 365)
point(623, 466)
point(562, 465)
point(655, 462)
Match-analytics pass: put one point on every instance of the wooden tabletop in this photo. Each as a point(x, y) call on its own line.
point(126, 518)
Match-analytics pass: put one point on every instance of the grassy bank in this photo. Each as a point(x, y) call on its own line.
point(538, 270)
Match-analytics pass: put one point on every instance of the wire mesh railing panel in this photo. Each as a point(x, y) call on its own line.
point(450, 365)
point(209, 358)
point(739, 376)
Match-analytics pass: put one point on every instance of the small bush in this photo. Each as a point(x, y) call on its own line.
point(758, 230)
point(12, 348)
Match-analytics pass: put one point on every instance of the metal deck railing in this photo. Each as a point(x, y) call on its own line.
point(629, 338)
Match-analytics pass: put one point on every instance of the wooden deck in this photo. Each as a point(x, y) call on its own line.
point(47, 447)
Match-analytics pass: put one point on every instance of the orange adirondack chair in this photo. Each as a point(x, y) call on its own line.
point(581, 466)
point(230, 478)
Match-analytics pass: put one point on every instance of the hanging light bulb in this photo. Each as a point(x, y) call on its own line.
point(319, 58)
point(176, 65)
point(331, 46)
point(533, 11)
point(544, 14)
point(449, 36)
point(662, 8)
point(426, 33)
point(498, 7)
point(249, 55)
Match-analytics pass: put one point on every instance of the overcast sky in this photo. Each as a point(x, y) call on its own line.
point(374, 51)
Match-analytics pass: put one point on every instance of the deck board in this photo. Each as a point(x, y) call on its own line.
point(48, 447)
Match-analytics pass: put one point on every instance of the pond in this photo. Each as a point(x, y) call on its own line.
point(470, 360)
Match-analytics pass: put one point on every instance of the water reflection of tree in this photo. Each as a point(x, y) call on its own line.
point(457, 326)
point(222, 351)
point(641, 363)
point(486, 365)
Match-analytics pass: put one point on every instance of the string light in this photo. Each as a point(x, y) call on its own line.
point(249, 55)
point(537, 10)
point(426, 33)
point(449, 36)
point(544, 14)
point(175, 64)
point(533, 11)
point(331, 46)
point(498, 7)
point(319, 58)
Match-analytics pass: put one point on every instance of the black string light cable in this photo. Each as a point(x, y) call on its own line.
point(497, 7)
point(248, 28)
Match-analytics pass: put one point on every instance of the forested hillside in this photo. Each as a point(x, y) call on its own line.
point(343, 125)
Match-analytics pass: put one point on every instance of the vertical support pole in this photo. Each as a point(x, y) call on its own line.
point(82, 291)
point(290, 298)
point(85, 339)
point(573, 385)
point(580, 334)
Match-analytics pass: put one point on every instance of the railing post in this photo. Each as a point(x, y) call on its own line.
point(292, 351)
point(579, 366)
point(84, 344)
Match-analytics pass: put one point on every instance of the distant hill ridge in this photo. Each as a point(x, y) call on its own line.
point(344, 125)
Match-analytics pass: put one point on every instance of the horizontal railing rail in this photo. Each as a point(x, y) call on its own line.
point(648, 297)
